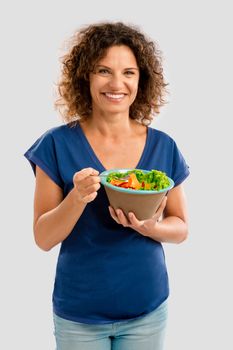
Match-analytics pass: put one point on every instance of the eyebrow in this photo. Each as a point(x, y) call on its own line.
point(102, 65)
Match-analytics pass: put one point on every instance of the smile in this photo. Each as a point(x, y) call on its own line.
point(112, 96)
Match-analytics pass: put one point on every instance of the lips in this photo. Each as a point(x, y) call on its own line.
point(114, 96)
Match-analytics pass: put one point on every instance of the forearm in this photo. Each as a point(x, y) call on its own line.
point(55, 225)
point(170, 230)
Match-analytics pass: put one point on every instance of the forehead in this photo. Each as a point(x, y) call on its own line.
point(118, 54)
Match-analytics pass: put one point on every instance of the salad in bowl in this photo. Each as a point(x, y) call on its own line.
point(136, 190)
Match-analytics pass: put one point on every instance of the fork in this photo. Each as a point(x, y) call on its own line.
point(126, 179)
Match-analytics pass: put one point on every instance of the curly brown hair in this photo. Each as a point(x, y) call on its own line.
point(86, 47)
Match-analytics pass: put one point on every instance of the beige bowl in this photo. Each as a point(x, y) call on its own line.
point(142, 203)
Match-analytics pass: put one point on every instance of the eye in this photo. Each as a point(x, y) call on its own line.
point(129, 72)
point(103, 71)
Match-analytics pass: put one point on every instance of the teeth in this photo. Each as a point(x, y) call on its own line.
point(116, 96)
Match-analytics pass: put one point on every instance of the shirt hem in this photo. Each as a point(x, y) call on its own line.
point(88, 321)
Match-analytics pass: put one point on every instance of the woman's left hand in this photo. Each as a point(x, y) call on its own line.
point(145, 227)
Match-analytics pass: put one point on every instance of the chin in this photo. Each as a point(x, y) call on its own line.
point(115, 109)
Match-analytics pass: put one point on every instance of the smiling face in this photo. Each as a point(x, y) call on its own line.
point(114, 82)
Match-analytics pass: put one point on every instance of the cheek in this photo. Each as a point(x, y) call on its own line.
point(93, 89)
point(134, 87)
point(93, 85)
point(96, 85)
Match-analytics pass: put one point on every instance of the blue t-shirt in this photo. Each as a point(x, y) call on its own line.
point(105, 272)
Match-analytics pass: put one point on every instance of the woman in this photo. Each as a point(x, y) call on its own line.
point(111, 282)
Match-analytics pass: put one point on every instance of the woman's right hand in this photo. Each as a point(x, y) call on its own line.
point(86, 184)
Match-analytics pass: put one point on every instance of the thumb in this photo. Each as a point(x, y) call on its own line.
point(82, 174)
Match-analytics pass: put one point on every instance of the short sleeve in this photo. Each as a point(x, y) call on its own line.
point(43, 154)
point(180, 169)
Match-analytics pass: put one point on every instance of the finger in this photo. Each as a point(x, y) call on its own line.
point(113, 214)
point(87, 194)
point(122, 218)
point(88, 181)
point(92, 188)
point(82, 174)
point(134, 221)
point(89, 198)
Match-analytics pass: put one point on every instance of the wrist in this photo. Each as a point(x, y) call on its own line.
point(76, 200)
point(155, 231)
point(148, 229)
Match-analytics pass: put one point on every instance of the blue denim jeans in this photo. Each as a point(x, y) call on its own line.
point(143, 333)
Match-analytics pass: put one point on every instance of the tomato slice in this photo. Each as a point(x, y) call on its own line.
point(124, 184)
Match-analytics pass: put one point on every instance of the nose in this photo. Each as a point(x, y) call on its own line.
point(116, 82)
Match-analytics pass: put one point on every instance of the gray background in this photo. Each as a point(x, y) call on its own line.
point(195, 39)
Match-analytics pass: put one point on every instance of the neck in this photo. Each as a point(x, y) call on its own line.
point(112, 127)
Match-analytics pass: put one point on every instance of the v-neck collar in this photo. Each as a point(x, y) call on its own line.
point(96, 160)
